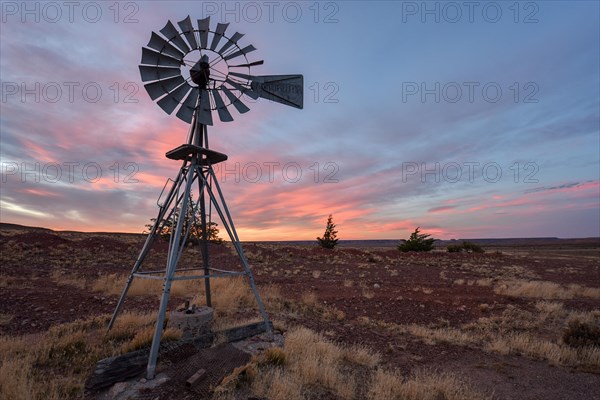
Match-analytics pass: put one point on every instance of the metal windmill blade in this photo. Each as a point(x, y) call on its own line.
point(224, 114)
point(219, 33)
point(186, 112)
point(156, 58)
point(170, 102)
point(188, 32)
point(173, 35)
point(159, 88)
point(203, 28)
point(237, 103)
point(163, 46)
point(154, 73)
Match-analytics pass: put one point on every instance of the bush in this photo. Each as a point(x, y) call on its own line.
point(472, 248)
point(467, 247)
point(417, 242)
point(580, 334)
point(454, 248)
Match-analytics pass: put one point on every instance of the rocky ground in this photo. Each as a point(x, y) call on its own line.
point(361, 295)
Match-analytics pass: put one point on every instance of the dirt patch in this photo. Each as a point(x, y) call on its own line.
point(217, 362)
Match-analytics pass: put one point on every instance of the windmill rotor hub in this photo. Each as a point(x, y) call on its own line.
point(205, 70)
point(200, 72)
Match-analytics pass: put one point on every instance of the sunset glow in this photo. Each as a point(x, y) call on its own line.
point(403, 124)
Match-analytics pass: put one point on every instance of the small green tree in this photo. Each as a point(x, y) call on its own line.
point(329, 240)
point(417, 242)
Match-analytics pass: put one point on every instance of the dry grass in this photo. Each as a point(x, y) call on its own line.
point(8, 281)
point(546, 290)
point(309, 299)
point(339, 315)
point(556, 353)
point(113, 285)
point(231, 293)
point(54, 364)
point(273, 356)
point(27, 360)
point(442, 335)
point(128, 324)
point(535, 334)
point(362, 355)
point(368, 294)
point(488, 274)
point(423, 289)
point(5, 319)
point(143, 338)
point(313, 360)
point(232, 296)
point(421, 386)
point(315, 367)
point(277, 385)
point(62, 278)
point(484, 282)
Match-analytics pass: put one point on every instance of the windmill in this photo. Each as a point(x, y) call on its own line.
point(196, 70)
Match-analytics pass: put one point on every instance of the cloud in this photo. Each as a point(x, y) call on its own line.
point(362, 140)
point(441, 209)
point(547, 188)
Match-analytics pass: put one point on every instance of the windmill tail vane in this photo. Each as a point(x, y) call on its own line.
point(192, 71)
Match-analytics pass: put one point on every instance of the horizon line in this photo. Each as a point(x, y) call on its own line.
point(2, 224)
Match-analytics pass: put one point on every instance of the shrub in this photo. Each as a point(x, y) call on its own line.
point(417, 242)
point(467, 247)
point(454, 248)
point(472, 248)
point(580, 334)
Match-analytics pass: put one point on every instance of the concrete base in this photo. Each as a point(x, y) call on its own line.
point(192, 323)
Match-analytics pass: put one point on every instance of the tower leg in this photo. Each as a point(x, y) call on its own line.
point(228, 224)
point(174, 252)
point(147, 246)
point(205, 229)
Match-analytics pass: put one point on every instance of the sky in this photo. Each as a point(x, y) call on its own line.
point(467, 119)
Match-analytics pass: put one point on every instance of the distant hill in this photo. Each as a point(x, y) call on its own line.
point(7, 226)
point(500, 242)
point(504, 242)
